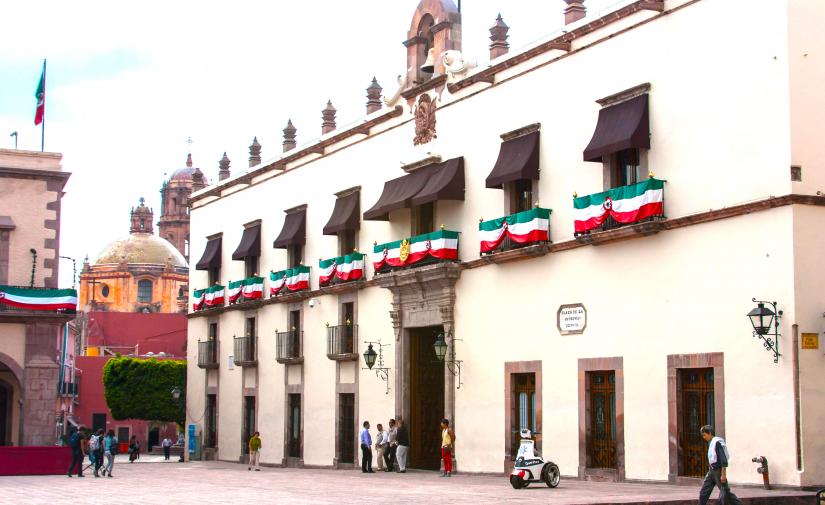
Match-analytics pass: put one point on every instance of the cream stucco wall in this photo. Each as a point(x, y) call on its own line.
point(720, 121)
point(25, 201)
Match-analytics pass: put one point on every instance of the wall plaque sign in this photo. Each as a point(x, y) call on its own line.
point(810, 340)
point(571, 319)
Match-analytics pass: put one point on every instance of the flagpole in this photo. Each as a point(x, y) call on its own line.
point(43, 123)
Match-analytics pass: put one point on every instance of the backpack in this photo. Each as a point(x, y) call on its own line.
point(94, 443)
point(74, 440)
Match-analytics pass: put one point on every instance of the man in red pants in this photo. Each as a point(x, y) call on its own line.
point(447, 445)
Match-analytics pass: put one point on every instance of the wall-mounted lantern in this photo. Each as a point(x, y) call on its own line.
point(370, 358)
point(765, 324)
point(446, 354)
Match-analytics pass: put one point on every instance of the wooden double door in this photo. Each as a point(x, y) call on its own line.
point(695, 408)
point(426, 399)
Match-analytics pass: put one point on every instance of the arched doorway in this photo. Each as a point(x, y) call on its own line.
point(10, 397)
point(5, 400)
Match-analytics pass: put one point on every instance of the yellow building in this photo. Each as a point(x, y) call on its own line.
point(136, 273)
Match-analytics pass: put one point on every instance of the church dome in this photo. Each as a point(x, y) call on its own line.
point(141, 248)
point(182, 174)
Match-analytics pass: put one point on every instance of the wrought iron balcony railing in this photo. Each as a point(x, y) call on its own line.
point(245, 351)
point(342, 342)
point(289, 347)
point(208, 354)
point(517, 230)
point(643, 202)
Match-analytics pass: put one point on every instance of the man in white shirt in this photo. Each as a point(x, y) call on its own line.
point(380, 445)
point(392, 446)
point(167, 445)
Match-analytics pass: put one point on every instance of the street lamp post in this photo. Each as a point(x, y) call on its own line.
point(371, 358)
point(762, 319)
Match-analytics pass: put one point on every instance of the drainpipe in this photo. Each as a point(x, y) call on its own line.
point(796, 399)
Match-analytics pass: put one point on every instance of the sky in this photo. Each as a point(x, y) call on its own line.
point(128, 83)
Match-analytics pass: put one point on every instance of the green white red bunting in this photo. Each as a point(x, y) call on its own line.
point(442, 244)
point(209, 297)
point(343, 268)
point(523, 227)
point(248, 289)
point(39, 299)
point(293, 279)
point(627, 204)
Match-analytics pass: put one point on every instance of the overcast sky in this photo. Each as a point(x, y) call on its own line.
point(128, 83)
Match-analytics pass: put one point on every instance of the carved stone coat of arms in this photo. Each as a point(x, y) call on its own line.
point(424, 120)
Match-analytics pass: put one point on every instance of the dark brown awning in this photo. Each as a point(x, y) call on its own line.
point(445, 183)
point(517, 159)
point(439, 181)
point(211, 255)
point(346, 215)
point(621, 126)
point(250, 243)
point(294, 230)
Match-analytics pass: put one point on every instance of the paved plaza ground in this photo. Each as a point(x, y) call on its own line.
point(153, 481)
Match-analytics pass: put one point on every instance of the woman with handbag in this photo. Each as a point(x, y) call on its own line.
point(447, 445)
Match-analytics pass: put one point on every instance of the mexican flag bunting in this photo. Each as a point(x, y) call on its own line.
point(277, 281)
point(197, 299)
point(214, 296)
point(234, 291)
point(442, 244)
point(344, 268)
point(298, 278)
point(39, 299)
point(252, 288)
point(523, 227)
point(626, 204)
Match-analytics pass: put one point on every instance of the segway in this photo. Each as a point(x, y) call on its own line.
point(529, 466)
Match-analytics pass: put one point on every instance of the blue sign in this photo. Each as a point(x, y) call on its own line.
point(191, 439)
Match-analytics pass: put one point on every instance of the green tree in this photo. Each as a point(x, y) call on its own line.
point(142, 389)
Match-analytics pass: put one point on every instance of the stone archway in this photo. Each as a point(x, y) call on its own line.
point(11, 381)
point(422, 298)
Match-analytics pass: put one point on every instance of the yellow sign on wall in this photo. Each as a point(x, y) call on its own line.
point(810, 340)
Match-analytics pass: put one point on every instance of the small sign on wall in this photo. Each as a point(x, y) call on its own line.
point(810, 341)
point(571, 319)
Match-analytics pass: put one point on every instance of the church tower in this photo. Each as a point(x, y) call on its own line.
point(174, 196)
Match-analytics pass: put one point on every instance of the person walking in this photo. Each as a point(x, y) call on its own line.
point(392, 446)
point(96, 451)
point(133, 449)
point(447, 444)
point(718, 457)
point(77, 441)
point(403, 438)
point(109, 450)
point(380, 446)
point(366, 449)
point(255, 451)
point(167, 446)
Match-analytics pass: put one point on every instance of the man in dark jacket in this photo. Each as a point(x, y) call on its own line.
point(403, 439)
point(77, 441)
point(717, 472)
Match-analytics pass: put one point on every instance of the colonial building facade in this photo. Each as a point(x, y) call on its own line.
point(571, 244)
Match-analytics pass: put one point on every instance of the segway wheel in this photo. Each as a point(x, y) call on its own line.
point(516, 481)
point(552, 476)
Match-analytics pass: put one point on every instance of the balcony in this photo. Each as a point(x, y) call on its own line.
point(208, 298)
point(20, 302)
point(208, 354)
point(342, 342)
point(288, 281)
point(522, 230)
point(246, 290)
point(289, 347)
point(638, 207)
point(425, 249)
point(245, 351)
point(70, 389)
point(341, 270)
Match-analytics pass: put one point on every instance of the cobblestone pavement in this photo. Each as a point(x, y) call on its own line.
point(154, 481)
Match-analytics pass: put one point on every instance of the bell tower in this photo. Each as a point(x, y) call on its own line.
point(174, 215)
point(436, 26)
point(141, 218)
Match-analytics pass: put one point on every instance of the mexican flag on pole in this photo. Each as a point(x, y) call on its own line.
point(234, 290)
point(40, 94)
point(214, 296)
point(198, 299)
point(344, 268)
point(442, 244)
point(39, 299)
point(626, 204)
point(277, 281)
point(523, 227)
point(252, 288)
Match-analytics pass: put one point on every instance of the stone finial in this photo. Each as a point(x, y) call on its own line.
point(328, 118)
point(223, 172)
point(289, 136)
point(198, 181)
point(374, 96)
point(141, 218)
point(498, 37)
point(189, 160)
point(574, 11)
point(254, 153)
